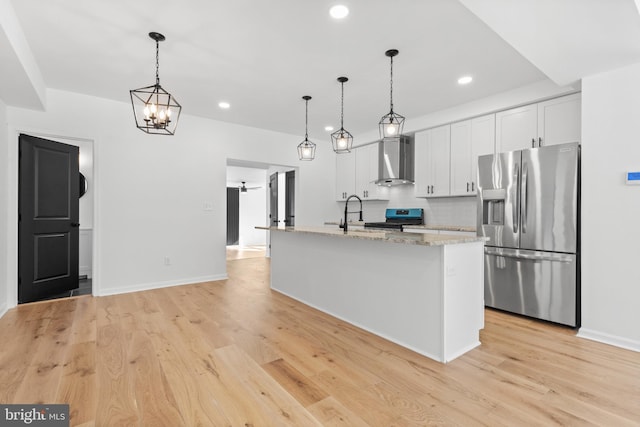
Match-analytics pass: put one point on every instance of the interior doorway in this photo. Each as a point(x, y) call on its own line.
point(261, 202)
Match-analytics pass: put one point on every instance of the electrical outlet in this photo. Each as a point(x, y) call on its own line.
point(167, 260)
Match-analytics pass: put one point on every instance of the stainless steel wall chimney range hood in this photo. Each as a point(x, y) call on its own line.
point(395, 161)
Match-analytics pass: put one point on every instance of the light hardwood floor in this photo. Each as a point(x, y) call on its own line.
point(234, 353)
point(244, 252)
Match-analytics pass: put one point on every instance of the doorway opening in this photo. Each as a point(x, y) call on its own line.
point(258, 194)
point(72, 232)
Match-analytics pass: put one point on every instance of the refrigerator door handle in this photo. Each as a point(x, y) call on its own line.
point(523, 195)
point(531, 257)
point(515, 206)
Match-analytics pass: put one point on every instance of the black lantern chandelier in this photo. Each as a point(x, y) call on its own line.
point(341, 139)
point(306, 149)
point(156, 111)
point(392, 123)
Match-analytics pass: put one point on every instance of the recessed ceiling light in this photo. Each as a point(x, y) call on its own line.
point(339, 11)
point(328, 128)
point(224, 105)
point(465, 80)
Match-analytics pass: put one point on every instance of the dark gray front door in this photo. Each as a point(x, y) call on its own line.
point(233, 215)
point(48, 227)
point(273, 200)
point(290, 199)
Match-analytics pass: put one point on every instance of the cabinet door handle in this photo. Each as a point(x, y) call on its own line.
point(467, 187)
point(533, 143)
point(472, 186)
point(539, 141)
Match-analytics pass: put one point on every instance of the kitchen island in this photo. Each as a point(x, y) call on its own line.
point(422, 291)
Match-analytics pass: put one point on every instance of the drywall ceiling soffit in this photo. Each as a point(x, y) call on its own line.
point(263, 56)
point(566, 39)
point(21, 84)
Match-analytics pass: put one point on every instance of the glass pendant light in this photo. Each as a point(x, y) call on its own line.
point(342, 140)
point(391, 124)
point(156, 111)
point(306, 149)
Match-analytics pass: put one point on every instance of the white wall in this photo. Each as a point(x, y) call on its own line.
point(611, 209)
point(253, 206)
point(4, 207)
point(150, 190)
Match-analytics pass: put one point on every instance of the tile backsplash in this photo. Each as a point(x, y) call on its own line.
point(437, 211)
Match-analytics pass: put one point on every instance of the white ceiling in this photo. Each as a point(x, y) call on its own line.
point(263, 56)
point(253, 177)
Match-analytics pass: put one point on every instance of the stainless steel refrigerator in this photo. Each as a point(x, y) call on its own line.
point(528, 207)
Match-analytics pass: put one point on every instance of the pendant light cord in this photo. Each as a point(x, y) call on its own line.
point(158, 63)
point(342, 106)
point(306, 119)
point(391, 86)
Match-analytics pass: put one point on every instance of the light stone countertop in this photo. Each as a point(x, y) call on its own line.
point(469, 228)
point(382, 235)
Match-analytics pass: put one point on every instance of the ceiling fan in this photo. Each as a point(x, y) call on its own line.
point(243, 188)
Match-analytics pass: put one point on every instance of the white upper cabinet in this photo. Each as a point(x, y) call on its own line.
point(483, 141)
point(461, 158)
point(517, 128)
point(469, 139)
point(367, 174)
point(546, 123)
point(345, 175)
point(421, 166)
point(357, 172)
point(432, 154)
point(559, 120)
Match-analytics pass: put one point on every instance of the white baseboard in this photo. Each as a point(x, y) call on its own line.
point(158, 285)
point(84, 271)
point(3, 309)
point(609, 339)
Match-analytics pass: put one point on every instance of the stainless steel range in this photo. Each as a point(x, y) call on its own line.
point(396, 219)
